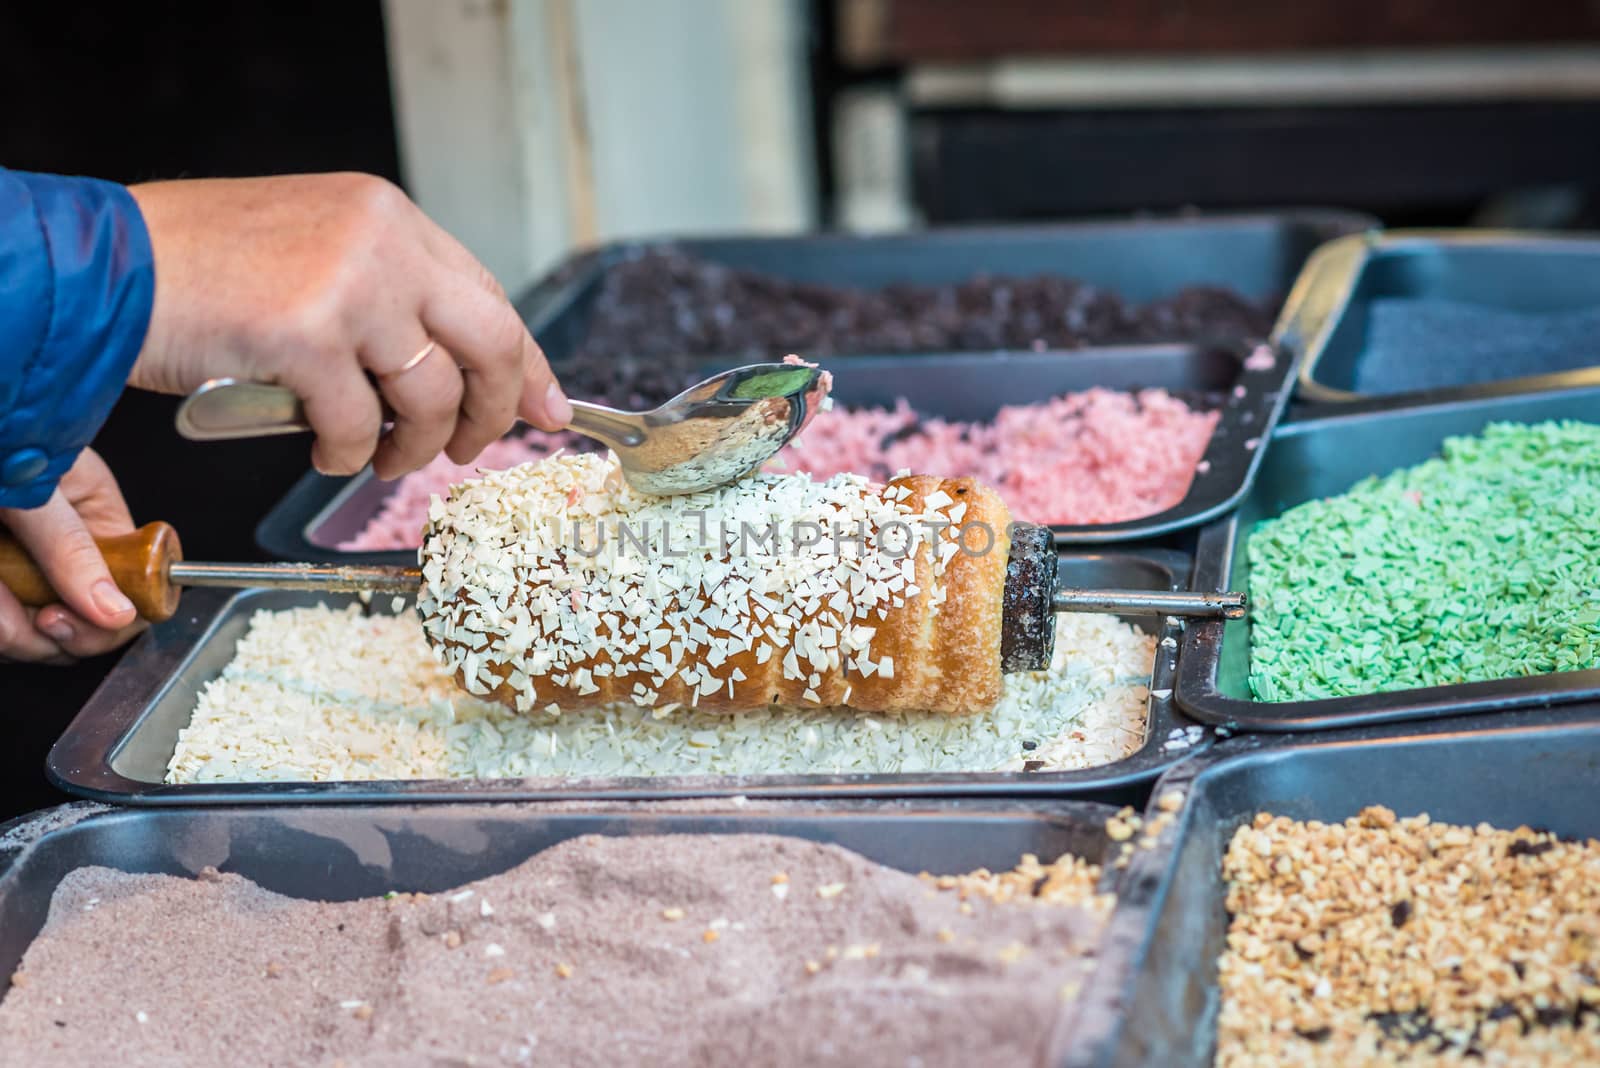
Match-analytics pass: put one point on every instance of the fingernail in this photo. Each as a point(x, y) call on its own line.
point(56, 627)
point(109, 599)
point(556, 405)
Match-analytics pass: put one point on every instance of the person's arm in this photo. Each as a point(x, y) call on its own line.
point(77, 284)
point(335, 285)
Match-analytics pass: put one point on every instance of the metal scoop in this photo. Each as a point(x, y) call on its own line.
point(709, 435)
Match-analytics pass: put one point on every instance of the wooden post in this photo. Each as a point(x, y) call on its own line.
point(530, 127)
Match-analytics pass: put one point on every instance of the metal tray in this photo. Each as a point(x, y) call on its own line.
point(348, 852)
point(1158, 1001)
point(1329, 313)
point(118, 746)
point(319, 512)
point(1257, 255)
point(1140, 259)
point(1322, 458)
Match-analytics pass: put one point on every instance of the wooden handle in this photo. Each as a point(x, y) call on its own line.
point(138, 564)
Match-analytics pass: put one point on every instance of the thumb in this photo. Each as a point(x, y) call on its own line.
point(58, 541)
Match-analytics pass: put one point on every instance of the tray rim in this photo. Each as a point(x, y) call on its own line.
point(81, 760)
point(1197, 693)
point(20, 834)
point(1313, 215)
point(1323, 293)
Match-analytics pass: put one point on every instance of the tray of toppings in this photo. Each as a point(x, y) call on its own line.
point(268, 695)
point(1408, 563)
point(1405, 315)
point(1099, 447)
point(723, 934)
point(1373, 898)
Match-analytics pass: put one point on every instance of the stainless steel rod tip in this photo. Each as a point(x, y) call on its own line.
point(1152, 602)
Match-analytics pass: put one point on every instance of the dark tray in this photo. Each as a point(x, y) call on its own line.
point(118, 746)
point(320, 512)
point(1325, 457)
point(1461, 288)
point(346, 852)
point(1257, 255)
point(1158, 1002)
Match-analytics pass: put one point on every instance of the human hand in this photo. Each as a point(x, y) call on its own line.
point(59, 535)
point(317, 282)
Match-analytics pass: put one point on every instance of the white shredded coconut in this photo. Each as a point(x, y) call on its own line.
point(324, 695)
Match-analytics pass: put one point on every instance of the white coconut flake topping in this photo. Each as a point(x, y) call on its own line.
point(547, 569)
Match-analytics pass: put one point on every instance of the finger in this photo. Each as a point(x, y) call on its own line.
point(93, 491)
point(541, 393)
point(443, 246)
point(487, 339)
point(19, 639)
point(540, 399)
point(426, 400)
point(342, 407)
point(504, 369)
point(55, 536)
point(78, 637)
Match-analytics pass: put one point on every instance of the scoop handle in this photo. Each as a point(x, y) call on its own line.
point(139, 564)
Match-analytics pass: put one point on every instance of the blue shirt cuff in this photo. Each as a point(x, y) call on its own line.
point(77, 284)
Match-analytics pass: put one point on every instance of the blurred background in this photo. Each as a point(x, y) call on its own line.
point(533, 127)
point(529, 127)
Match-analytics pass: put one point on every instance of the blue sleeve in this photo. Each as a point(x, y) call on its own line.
point(77, 282)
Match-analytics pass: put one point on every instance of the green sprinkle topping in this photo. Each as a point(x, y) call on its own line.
point(773, 384)
point(1481, 564)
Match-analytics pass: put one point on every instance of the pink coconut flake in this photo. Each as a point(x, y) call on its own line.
point(1094, 457)
point(1099, 456)
point(1261, 358)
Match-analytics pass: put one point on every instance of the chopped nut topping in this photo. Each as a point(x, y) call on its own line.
point(499, 975)
point(1382, 940)
point(563, 971)
point(673, 914)
point(830, 890)
point(1068, 880)
point(452, 939)
point(1012, 953)
point(709, 935)
point(780, 878)
point(813, 967)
